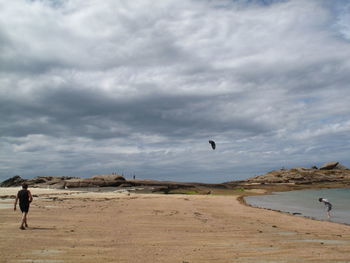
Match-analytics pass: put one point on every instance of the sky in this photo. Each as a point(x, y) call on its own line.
point(139, 87)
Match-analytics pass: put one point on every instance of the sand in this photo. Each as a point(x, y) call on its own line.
point(117, 227)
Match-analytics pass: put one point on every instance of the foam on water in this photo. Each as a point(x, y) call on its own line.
point(305, 203)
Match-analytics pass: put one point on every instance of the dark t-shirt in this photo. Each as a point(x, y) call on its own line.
point(23, 196)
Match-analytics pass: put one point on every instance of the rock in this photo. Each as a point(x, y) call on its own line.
point(341, 167)
point(108, 177)
point(13, 181)
point(96, 181)
point(329, 166)
point(49, 181)
point(39, 180)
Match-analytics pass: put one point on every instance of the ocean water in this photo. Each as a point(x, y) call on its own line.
point(305, 203)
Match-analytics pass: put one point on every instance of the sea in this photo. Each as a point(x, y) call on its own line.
point(305, 203)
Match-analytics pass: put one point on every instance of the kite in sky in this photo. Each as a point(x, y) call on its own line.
point(213, 145)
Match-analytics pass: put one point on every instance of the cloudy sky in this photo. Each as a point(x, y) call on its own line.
point(139, 87)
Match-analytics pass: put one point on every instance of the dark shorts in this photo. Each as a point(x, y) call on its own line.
point(329, 208)
point(24, 208)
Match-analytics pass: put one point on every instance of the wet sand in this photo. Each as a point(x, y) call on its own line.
point(110, 227)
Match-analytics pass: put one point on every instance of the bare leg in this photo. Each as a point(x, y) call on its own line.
point(24, 220)
point(328, 214)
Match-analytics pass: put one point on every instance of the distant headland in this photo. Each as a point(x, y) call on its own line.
point(329, 175)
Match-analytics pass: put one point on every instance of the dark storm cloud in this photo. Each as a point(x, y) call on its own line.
point(94, 114)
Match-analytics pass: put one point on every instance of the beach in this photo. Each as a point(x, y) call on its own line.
point(80, 226)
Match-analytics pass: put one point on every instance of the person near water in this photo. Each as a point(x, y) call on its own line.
point(328, 206)
point(25, 198)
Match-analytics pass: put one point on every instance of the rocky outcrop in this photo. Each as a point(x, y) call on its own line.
point(66, 181)
point(332, 172)
point(329, 166)
point(49, 180)
point(96, 181)
point(108, 177)
point(13, 181)
point(332, 166)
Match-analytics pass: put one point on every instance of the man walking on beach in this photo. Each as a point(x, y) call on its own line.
point(25, 198)
point(328, 206)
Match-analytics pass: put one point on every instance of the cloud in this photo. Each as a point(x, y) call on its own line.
point(140, 87)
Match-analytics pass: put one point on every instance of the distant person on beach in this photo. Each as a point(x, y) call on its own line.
point(328, 206)
point(25, 198)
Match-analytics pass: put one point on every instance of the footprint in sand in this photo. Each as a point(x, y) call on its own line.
point(199, 217)
point(173, 212)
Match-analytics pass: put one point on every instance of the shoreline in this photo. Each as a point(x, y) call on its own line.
point(246, 203)
point(243, 202)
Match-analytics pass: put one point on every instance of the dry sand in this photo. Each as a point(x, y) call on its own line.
point(110, 227)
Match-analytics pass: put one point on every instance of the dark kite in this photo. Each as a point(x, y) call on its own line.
point(213, 144)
